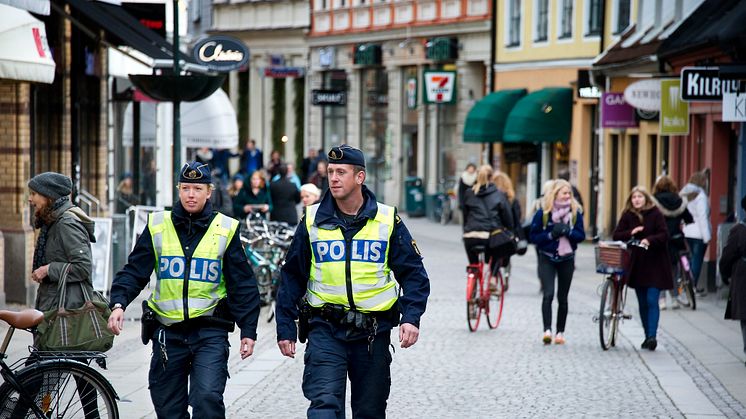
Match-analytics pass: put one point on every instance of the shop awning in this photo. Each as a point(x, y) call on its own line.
point(40, 7)
point(486, 119)
point(542, 116)
point(208, 123)
point(24, 53)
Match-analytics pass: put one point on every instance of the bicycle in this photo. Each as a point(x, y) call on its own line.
point(684, 280)
point(479, 298)
point(52, 384)
point(612, 259)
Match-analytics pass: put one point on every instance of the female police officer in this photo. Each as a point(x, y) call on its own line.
point(204, 285)
point(341, 259)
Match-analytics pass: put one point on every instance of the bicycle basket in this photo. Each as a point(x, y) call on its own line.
point(611, 259)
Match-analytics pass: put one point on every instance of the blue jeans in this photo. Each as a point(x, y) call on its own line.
point(195, 373)
point(697, 248)
point(647, 299)
point(329, 360)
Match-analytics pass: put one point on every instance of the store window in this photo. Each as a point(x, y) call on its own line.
point(541, 16)
point(566, 17)
point(410, 145)
point(514, 23)
point(334, 117)
point(373, 125)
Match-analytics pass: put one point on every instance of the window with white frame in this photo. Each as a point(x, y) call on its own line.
point(514, 23)
point(541, 19)
point(593, 22)
point(566, 19)
point(623, 11)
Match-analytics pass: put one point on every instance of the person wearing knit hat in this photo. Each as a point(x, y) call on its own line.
point(53, 185)
point(197, 251)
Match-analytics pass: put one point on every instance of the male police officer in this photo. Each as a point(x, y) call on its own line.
point(204, 284)
point(342, 259)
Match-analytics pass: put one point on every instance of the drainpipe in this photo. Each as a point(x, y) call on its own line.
point(176, 104)
point(493, 53)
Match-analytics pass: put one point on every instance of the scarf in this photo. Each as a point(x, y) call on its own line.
point(41, 242)
point(562, 213)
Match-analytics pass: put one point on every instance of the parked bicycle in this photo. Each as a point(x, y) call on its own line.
point(479, 298)
point(51, 384)
point(684, 281)
point(612, 259)
point(446, 201)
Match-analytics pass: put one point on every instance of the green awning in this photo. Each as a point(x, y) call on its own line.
point(486, 119)
point(542, 116)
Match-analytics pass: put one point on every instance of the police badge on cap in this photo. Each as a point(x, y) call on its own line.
point(194, 172)
point(345, 154)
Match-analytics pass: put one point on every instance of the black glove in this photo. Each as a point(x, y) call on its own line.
point(559, 230)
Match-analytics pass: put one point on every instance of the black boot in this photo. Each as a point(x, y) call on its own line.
point(652, 343)
point(645, 344)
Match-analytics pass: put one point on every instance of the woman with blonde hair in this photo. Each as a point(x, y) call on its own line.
point(556, 230)
point(485, 209)
point(698, 233)
point(254, 197)
point(642, 220)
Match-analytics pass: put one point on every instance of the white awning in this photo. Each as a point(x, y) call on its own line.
point(208, 123)
point(24, 52)
point(40, 7)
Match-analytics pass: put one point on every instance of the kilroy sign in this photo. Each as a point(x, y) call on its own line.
point(703, 84)
point(221, 53)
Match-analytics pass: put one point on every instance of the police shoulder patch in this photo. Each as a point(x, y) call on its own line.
point(414, 246)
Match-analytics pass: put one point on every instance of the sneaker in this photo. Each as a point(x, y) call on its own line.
point(675, 304)
point(662, 304)
point(682, 300)
point(547, 338)
point(559, 339)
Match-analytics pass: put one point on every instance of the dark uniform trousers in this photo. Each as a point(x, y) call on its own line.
point(328, 360)
point(195, 373)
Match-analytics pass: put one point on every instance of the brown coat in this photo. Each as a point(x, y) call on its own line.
point(733, 267)
point(648, 268)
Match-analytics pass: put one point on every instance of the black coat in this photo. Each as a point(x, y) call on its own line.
point(646, 269)
point(486, 210)
point(285, 196)
point(733, 268)
point(675, 212)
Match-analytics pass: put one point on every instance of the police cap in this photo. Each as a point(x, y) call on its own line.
point(345, 154)
point(195, 172)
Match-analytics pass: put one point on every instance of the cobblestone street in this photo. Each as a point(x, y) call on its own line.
point(506, 372)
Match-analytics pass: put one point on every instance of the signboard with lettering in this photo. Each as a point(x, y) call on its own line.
point(585, 88)
point(284, 72)
point(703, 84)
point(615, 112)
point(221, 53)
point(328, 97)
point(440, 87)
point(734, 107)
point(674, 119)
point(644, 94)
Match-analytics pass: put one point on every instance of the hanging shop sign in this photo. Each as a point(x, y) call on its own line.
point(321, 97)
point(411, 93)
point(221, 53)
point(284, 72)
point(616, 112)
point(326, 57)
point(674, 119)
point(703, 84)
point(440, 87)
point(644, 94)
point(586, 89)
point(734, 107)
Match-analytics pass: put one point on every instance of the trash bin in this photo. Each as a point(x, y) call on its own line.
point(415, 203)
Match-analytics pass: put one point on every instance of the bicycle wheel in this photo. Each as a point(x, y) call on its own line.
point(494, 309)
point(60, 389)
point(606, 314)
point(688, 288)
point(473, 308)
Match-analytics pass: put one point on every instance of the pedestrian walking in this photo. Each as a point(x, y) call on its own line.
point(666, 198)
point(254, 197)
point(733, 271)
point(699, 233)
point(534, 208)
point(285, 195)
point(486, 210)
point(309, 194)
point(62, 253)
point(349, 256)
point(126, 194)
point(197, 252)
point(291, 176)
point(466, 181)
point(251, 159)
point(275, 160)
point(556, 230)
point(642, 220)
point(321, 178)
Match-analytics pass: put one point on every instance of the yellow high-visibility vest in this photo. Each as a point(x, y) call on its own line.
point(188, 288)
point(364, 260)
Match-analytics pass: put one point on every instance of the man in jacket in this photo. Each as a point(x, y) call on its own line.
point(342, 257)
point(284, 197)
point(197, 253)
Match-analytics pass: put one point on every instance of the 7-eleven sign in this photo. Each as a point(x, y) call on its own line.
point(440, 87)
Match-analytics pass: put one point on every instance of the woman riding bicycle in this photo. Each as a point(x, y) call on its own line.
point(556, 230)
point(485, 209)
point(643, 221)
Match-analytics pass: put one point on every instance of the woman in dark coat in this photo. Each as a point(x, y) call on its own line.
point(285, 195)
point(733, 271)
point(647, 275)
point(254, 197)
